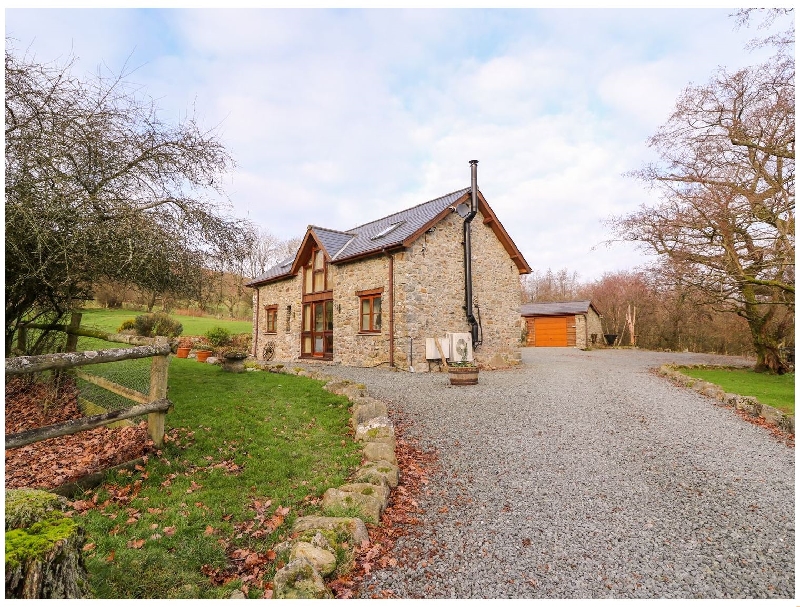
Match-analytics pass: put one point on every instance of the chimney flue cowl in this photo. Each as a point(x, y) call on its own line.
point(474, 186)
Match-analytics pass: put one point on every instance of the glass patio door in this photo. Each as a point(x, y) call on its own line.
point(317, 337)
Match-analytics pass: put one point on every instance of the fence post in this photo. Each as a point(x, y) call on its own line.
point(158, 390)
point(72, 338)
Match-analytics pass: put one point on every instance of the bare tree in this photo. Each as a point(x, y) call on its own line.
point(267, 249)
point(98, 187)
point(549, 286)
point(725, 223)
point(615, 293)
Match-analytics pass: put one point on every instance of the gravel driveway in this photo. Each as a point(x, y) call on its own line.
point(584, 475)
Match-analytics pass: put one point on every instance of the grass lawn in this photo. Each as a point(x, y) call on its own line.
point(246, 454)
point(774, 390)
point(110, 320)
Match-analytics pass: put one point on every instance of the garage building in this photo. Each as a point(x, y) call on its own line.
point(566, 324)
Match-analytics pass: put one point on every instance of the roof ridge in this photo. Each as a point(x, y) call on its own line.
point(408, 209)
point(561, 301)
point(330, 230)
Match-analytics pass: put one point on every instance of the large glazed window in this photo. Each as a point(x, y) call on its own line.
point(316, 273)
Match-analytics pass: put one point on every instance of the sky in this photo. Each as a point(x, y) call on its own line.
point(339, 117)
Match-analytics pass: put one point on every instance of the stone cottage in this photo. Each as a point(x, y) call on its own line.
point(373, 295)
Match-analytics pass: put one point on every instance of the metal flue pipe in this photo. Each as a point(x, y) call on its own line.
point(473, 210)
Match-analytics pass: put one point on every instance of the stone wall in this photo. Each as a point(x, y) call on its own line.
point(429, 293)
point(350, 347)
point(428, 301)
point(594, 325)
point(284, 293)
point(580, 331)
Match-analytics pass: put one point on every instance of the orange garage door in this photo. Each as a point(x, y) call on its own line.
point(551, 331)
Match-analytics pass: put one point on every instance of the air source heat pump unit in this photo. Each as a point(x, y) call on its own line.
point(431, 353)
point(460, 347)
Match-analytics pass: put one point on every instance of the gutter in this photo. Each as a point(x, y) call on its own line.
point(255, 327)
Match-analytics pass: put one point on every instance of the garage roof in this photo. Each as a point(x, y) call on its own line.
point(556, 308)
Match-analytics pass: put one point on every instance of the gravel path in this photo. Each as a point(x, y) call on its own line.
point(584, 475)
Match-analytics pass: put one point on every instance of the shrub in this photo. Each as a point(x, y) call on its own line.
point(128, 325)
point(242, 341)
point(150, 325)
point(218, 337)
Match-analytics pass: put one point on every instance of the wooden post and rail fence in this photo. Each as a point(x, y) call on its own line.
point(155, 404)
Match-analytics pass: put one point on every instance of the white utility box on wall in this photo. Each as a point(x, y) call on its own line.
point(431, 353)
point(460, 347)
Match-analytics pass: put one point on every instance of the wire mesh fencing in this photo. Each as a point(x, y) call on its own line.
point(102, 388)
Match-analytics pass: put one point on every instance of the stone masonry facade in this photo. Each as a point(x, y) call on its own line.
point(428, 293)
point(593, 326)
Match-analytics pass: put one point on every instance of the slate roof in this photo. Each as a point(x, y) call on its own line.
point(556, 308)
point(332, 240)
point(373, 237)
point(280, 270)
point(364, 239)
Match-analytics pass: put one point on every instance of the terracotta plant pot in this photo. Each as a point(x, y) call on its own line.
point(463, 376)
point(202, 355)
point(183, 352)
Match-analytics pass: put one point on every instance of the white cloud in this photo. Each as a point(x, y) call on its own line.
point(339, 117)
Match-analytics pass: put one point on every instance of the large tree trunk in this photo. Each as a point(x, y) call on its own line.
point(768, 357)
point(767, 348)
point(58, 573)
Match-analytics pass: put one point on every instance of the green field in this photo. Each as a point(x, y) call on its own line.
point(110, 320)
point(244, 451)
point(774, 390)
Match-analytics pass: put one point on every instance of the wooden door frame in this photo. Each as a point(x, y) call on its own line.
point(313, 333)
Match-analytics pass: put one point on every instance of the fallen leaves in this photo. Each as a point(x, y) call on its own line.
point(262, 524)
point(398, 519)
point(781, 435)
point(51, 463)
point(249, 566)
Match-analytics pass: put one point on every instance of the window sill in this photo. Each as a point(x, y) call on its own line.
point(369, 333)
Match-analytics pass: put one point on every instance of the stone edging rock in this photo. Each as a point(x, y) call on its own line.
point(748, 404)
point(324, 545)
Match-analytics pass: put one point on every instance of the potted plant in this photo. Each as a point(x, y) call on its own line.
point(184, 347)
point(213, 343)
point(462, 372)
point(202, 352)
